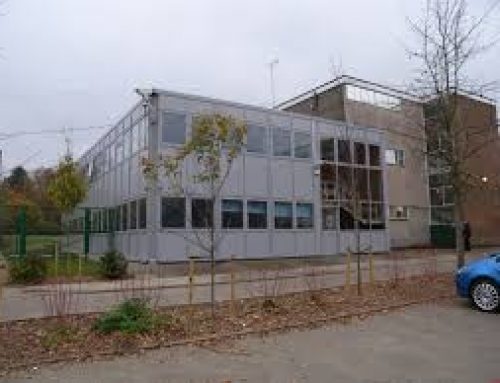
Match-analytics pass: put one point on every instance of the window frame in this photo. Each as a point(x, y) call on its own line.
point(164, 128)
point(240, 219)
point(276, 217)
point(164, 213)
point(261, 202)
point(276, 134)
point(297, 217)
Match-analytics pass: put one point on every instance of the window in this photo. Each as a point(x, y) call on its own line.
point(174, 128)
point(283, 215)
point(327, 147)
point(359, 153)
point(376, 190)
point(143, 210)
point(125, 217)
point(304, 215)
point(118, 219)
point(104, 221)
point(281, 142)
point(395, 157)
point(257, 214)
point(437, 197)
point(344, 185)
point(201, 213)
point(344, 151)
point(303, 148)
point(398, 213)
point(232, 214)
point(329, 217)
point(377, 222)
point(133, 215)
point(127, 141)
point(111, 220)
point(112, 156)
point(361, 183)
point(173, 212)
point(346, 216)
point(119, 152)
point(135, 138)
point(374, 153)
point(256, 139)
point(442, 215)
point(372, 97)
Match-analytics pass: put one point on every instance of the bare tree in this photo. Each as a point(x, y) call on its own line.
point(216, 142)
point(449, 39)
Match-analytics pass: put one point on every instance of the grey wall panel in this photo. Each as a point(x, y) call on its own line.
point(284, 244)
point(235, 180)
point(232, 244)
point(257, 244)
point(347, 241)
point(303, 180)
point(305, 243)
point(329, 242)
point(256, 176)
point(171, 247)
point(282, 178)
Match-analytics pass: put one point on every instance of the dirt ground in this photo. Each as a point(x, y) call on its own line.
point(450, 343)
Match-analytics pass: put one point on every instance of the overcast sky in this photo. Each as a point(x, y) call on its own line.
point(75, 63)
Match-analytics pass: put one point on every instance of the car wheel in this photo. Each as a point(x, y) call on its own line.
point(485, 295)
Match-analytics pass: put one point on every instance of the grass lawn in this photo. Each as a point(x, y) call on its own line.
point(67, 266)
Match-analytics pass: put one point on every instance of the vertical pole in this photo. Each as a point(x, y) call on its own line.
point(348, 270)
point(86, 232)
point(191, 280)
point(232, 282)
point(56, 259)
point(370, 266)
point(22, 231)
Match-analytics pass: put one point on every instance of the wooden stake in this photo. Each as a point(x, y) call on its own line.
point(191, 281)
point(348, 270)
point(232, 284)
point(370, 266)
point(56, 258)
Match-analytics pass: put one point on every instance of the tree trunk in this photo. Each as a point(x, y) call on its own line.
point(459, 226)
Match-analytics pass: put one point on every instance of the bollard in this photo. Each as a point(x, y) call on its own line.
point(348, 270)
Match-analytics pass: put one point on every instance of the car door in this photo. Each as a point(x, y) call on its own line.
point(496, 268)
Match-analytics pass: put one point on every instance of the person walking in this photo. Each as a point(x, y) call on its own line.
point(466, 233)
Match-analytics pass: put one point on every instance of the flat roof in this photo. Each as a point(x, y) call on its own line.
point(369, 85)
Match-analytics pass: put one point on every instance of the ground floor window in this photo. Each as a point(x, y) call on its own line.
point(201, 213)
point(305, 215)
point(133, 215)
point(173, 212)
point(283, 215)
point(257, 214)
point(232, 214)
point(142, 213)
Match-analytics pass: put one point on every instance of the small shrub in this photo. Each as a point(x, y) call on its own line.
point(133, 316)
point(27, 269)
point(113, 265)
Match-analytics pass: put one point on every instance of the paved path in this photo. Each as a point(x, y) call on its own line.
point(423, 344)
point(38, 301)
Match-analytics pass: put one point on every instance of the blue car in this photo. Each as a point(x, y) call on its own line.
point(479, 281)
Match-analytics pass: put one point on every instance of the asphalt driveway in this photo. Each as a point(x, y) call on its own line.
point(447, 343)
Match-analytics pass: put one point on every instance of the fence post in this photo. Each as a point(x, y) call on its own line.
point(370, 266)
point(56, 258)
point(191, 280)
point(86, 232)
point(232, 283)
point(348, 270)
point(21, 231)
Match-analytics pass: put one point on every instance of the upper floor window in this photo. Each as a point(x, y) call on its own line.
point(327, 147)
point(344, 151)
point(359, 153)
point(174, 128)
point(281, 142)
point(395, 157)
point(302, 143)
point(374, 153)
point(372, 97)
point(256, 139)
